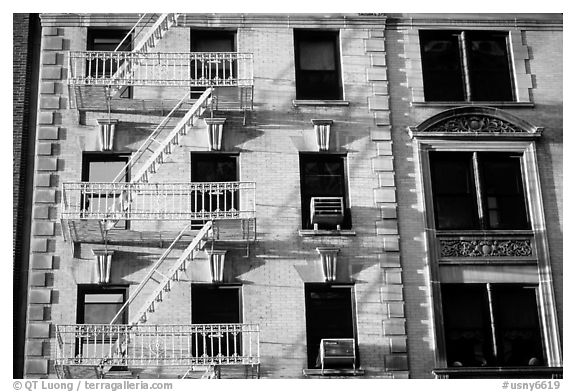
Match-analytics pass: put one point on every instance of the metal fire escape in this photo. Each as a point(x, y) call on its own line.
point(90, 211)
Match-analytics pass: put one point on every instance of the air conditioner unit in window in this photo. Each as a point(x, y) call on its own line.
point(338, 353)
point(327, 211)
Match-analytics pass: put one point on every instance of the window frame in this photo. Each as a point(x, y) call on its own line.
point(491, 295)
point(84, 289)
point(333, 36)
point(521, 144)
point(479, 175)
point(308, 287)
point(105, 156)
point(306, 196)
point(93, 33)
point(467, 67)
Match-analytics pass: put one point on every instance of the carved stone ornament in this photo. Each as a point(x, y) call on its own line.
point(485, 248)
point(474, 124)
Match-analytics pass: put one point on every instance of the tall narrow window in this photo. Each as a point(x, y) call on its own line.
point(491, 325)
point(329, 315)
point(217, 305)
point(322, 180)
point(100, 170)
point(210, 64)
point(221, 195)
point(478, 190)
point(466, 66)
point(317, 65)
point(108, 40)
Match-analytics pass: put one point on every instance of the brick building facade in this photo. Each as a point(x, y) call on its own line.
point(294, 176)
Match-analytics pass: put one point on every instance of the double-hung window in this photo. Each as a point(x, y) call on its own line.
point(466, 66)
point(317, 65)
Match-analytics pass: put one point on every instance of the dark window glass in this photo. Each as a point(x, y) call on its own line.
point(322, 175)
point(516, 316)
point(441, 66)
point(456, 195)
point(216, 68)
point(465, 66)
point(317, 65)
point(454, 191)
point(108, 40)
point(489, 69)
point(513, 339)
point(328, 316)
point(214, 168)
point(504, 192)
point(216, 305)
point(466, 325)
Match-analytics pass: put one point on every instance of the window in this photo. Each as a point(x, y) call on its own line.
point(466, 66)
point(215, 168)
point(329, 315)
point(491, 325)
point(213, 304)
point(322, 178)
point(317, 65)
point(478, 190)
point(99, 305)
point(105, 40)
point(214, 69)
point(100, 169)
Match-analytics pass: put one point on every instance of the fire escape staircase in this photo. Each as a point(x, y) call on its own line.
point(147, 38)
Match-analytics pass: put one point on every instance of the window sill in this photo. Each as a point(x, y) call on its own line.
point(500, 372)
point(333, 372)
point(473, 103)
point(319, 102)
point(319, 233)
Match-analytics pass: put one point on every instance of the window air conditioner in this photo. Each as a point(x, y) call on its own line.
point(338, 353)
point(327, 210)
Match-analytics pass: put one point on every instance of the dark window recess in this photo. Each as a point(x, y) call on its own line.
point(478, 190)
point(211, 41)
point(466, 66)
point(214, 168)
point(108, 40)
point(322, 175)
point(216, 305)
point(329, 315)
point(473, 340)
point(103, 167)
point(317, 65)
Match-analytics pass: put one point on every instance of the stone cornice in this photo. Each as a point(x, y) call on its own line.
point(225, 20)
point(475, 21)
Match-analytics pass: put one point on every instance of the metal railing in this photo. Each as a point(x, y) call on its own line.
point(157, 345)
point(104, 68)
point(158, 201)
point(327, 210)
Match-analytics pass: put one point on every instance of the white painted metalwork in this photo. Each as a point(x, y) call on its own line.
point(157, 345)
point(120, 69)
point(328, 210)
point(158, 201)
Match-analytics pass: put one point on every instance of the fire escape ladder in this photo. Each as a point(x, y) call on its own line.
point(164, 279)
point(159, 150)
point(143, 44)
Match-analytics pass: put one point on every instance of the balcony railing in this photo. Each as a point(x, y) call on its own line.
point(157, 345)
point(216, 69)
point(158, 201)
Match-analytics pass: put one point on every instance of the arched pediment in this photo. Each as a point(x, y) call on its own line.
point(477, 121)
